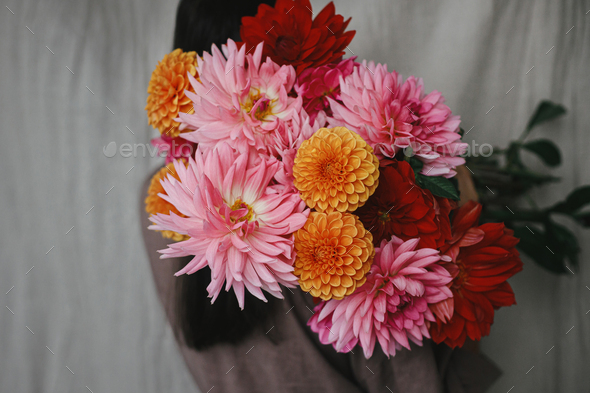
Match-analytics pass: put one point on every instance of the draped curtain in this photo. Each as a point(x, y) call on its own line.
point(80, 312)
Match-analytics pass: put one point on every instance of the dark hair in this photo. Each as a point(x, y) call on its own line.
point(199, 24)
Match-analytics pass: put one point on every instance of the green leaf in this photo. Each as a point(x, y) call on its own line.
point(582, 219)
point(563, 241)
point(574, 202)
point(522, 175)
point(513, 156)
point(578, 198)
point(534, 245)
point(545, 150)
point(439, 186)
point(546, 111)
point(415, 163)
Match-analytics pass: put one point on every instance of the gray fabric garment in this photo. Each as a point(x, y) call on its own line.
point(295, 361)
point(91, 299)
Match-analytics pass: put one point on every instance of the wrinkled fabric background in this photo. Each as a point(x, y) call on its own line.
point(72, 212)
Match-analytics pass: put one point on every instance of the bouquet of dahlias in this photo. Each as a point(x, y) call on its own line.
point(294, 167)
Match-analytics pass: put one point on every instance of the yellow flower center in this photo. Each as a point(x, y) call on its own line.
point(263, 108)
point(239, 204)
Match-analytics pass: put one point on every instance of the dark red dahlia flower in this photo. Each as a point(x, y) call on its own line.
point(484, 257)
point(399, 207)
point(292, 36)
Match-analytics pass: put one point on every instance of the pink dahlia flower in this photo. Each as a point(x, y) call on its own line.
point(173, 148)
point(392, 306)
point(316, 85)
point(238, 225)
point(239, 99)
point(287, 140)
point(391, 114)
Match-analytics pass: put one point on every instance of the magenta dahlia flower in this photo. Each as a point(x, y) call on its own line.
point(173, 148)
point(392, 306)
point(391, 114)
point(238, 224)
point(239, 99)
point(316, 85)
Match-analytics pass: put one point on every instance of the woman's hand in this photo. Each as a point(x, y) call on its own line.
point(466, 185)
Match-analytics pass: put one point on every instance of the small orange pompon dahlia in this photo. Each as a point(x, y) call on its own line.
point(335, 169)
point(334, 254)
point(166, 96)
point(155, 204)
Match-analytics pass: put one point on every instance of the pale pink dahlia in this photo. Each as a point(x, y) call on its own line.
point(238, 225)
point(391, 114)
point(316, 85)
point(239, 99)
point(392, 306)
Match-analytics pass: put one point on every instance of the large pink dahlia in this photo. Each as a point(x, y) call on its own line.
point(392, 306)
point(239, 99)
point(391, 114)
point(238, 224)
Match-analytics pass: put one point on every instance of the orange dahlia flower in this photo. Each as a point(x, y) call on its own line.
point(155, 204)
point(335, 170)
point(334, 254)
point(166, 96)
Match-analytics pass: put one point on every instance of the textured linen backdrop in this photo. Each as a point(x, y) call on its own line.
point(73, 213)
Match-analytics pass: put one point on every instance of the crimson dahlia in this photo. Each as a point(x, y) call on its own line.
point(484, 257)
point(292, 37)
point(399, 207)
